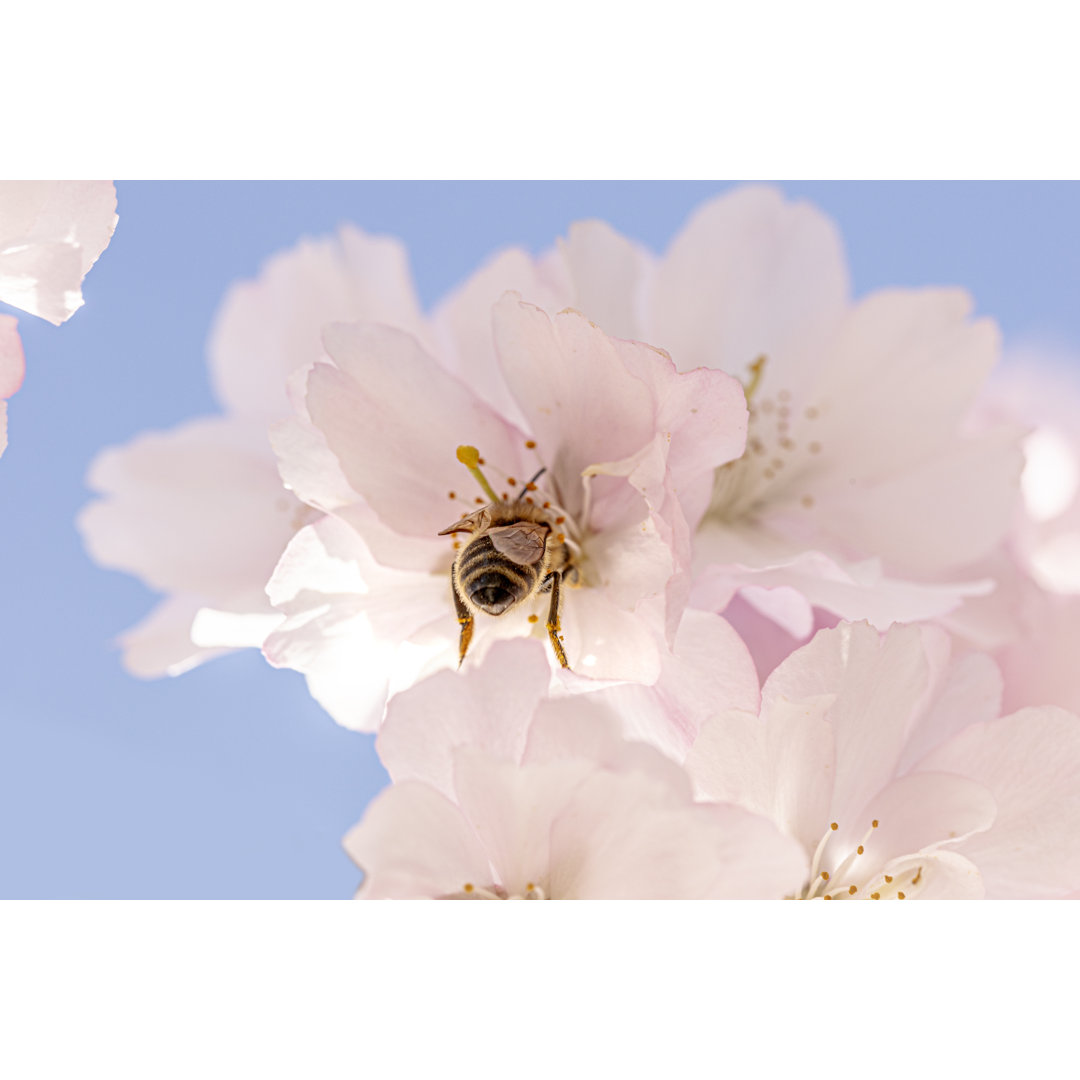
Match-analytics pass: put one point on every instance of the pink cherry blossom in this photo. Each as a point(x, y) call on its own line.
point(886, 758)
point(199, 512)
point(628, 447)
point(501, 794)
point(51, 233)
point(861, 494)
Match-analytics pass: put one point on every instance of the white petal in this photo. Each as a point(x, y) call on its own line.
point(51, 233)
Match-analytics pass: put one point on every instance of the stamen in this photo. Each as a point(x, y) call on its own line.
point(757, 368)
point(470, 457)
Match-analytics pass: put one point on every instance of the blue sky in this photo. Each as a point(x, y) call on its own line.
point(229, 782)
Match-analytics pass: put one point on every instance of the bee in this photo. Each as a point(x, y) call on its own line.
point(514, 553)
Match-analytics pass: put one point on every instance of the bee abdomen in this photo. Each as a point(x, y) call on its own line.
point(490, 580)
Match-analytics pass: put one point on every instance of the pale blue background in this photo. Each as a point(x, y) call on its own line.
point(229, 781)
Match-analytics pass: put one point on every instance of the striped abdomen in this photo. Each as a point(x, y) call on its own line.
point(490, 580)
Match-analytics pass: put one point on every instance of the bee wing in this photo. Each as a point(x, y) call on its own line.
point(475, 522)
point(523, 542)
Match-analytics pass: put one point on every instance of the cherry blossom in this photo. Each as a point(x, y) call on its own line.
point(502, 794)
point(860, 495)
point(624, 449)
point(199, 512)
point(886, 758)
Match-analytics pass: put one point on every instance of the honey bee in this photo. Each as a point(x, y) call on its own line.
point(514, 553)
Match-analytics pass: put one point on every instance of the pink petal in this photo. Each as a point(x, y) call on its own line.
point(394, 420)
point(877, 683)
point(750, 274)
point(609, 276)
point(196, 510)
point(709, 671)
point(51, 233)
point(489, 706)
point(624, 836)
point(413, 843)
point(1030, 762)
point(12, 360)
point(269, 327)
point(463, 321)
point(160, 644)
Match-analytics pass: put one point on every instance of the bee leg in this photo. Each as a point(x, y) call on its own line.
point(554, 626)
point(465, 618)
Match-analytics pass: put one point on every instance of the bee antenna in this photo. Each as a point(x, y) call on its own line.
point(532, 481)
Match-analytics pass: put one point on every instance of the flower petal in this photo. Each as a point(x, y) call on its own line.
point(198, 510)
point(1030, 762)
point(394, 419)
point(414, 843)
point(749, 275)
point(51, 233)
point(269, 327)
point(489, 705)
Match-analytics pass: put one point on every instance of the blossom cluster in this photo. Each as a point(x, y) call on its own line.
point(679, 576)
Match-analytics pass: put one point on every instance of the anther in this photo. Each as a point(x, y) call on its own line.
point(530, 486)
point(547, 506)
point(875, 896)
point(853, 889)
point(505, 496)
point(824, 875)
point(826, 897)
point(757, 368)
point(560, 538)
point(917, 878)
point(900, 896)
point(888, 878)
point(511, 481)
point(457, 545)
point(859, 850)
point(534, 618)
point(470, 457)
point(468, 887)
point(530, 444)
point(478, 501)
point(529, 500)
point(874, 823)
point(453, 494)
point(834, 826)
point(559, 520)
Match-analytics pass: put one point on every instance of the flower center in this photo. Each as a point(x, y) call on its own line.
point(774, 460)
point(836, 874)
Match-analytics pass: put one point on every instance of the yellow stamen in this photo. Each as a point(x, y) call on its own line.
point(756, 370)
point(470, 457)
